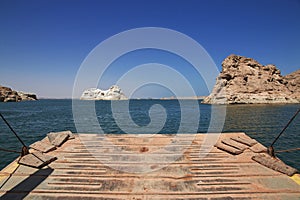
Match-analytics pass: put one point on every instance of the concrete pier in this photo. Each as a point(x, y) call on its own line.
point(88, 168)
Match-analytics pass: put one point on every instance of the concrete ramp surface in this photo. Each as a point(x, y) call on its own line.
point(88, 168)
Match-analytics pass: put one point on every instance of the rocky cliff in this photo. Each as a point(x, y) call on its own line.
point(9, 95)
point(244, 80)
point(293, 84)
point(113, 93)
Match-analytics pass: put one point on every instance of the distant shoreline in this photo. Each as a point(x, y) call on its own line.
point(149, 98)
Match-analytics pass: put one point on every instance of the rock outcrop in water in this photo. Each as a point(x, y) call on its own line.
point(244, 80)
point(9, 95)
point(293, 83)
point(113, 93)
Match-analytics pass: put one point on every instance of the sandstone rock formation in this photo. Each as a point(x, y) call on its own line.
point(293, 83)
point(244, 80)
point(113, 93)
point(9, 95)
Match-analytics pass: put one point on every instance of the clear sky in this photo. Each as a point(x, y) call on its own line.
point(43, 43)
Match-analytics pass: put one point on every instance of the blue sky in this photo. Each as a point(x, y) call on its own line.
point(43, 43)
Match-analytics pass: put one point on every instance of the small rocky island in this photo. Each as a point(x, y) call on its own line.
point(113, 93)
point(244, 80)
point(9, 95)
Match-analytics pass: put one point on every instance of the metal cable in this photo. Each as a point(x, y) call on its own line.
point(12, 130)
point(9, 150)
point(288, 150)
point(285, 127)
point(271, 150)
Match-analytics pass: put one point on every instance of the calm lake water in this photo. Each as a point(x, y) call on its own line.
point(32, 120)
